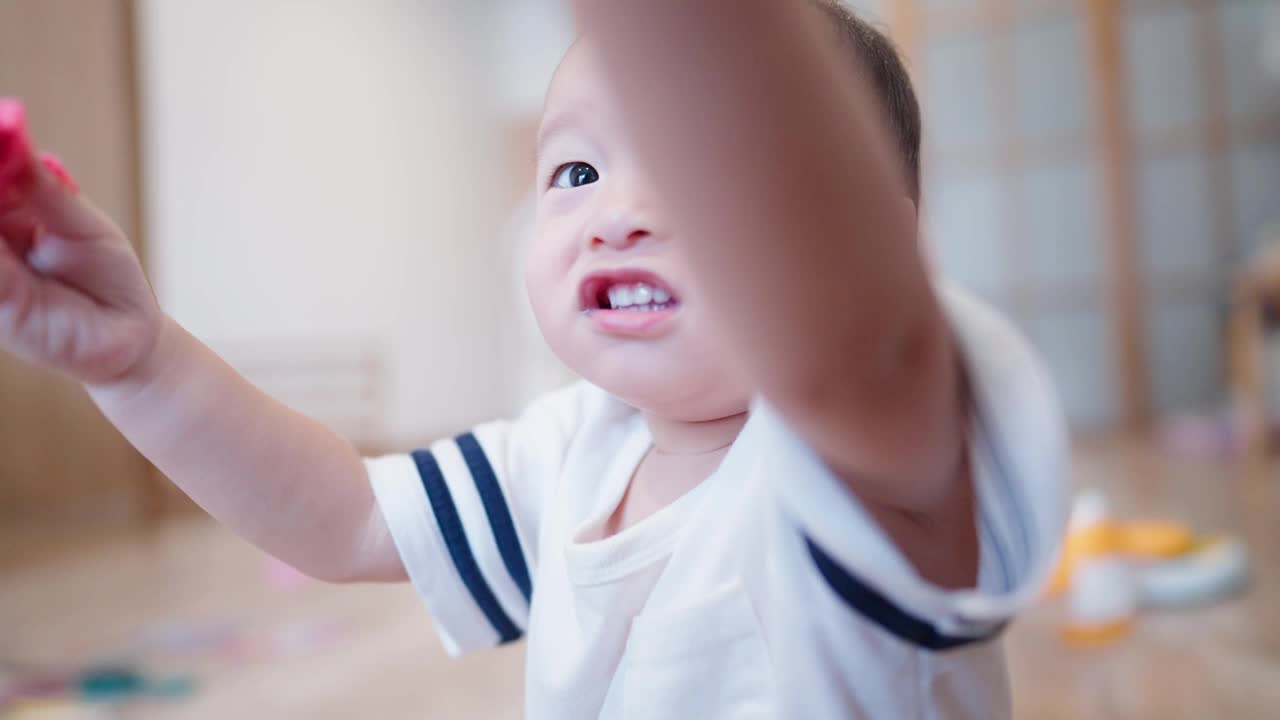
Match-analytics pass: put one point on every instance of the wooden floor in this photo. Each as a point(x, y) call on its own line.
point(73, 599)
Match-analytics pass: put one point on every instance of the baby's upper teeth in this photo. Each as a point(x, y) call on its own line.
point(620, 296)
point(640, 296)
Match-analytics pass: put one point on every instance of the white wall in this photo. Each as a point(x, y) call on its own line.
point(323, 170)
point(527, 40)
point(529, 37)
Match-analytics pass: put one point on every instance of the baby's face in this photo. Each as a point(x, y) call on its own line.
point(609, 286)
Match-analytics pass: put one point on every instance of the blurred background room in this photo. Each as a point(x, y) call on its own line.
point(333, 194)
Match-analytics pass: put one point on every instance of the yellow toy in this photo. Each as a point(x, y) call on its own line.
point(1111, 568)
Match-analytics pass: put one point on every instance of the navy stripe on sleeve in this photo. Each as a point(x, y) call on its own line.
point(883, 612)
point(495, 507)
point(455, 539)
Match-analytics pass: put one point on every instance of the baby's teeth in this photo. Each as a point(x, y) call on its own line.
point(639, 297)
point(623, 298)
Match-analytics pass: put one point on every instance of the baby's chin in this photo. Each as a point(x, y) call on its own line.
point(674, 390)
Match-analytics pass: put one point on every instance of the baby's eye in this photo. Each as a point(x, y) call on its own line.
point(574, 174)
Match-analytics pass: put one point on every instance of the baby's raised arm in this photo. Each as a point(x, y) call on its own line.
point(774, 167)
point(73, 297)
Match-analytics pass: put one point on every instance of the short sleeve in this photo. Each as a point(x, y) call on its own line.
point(1018, 456)
point(465, 513)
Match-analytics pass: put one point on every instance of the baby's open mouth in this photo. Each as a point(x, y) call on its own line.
point(630, 290)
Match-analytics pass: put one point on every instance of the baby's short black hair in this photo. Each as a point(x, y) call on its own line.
point(876, 55)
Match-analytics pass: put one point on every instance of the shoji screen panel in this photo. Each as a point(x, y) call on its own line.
point(1012, 206)
point(1204, 128)
point(1183, 256)
point(1252, 121)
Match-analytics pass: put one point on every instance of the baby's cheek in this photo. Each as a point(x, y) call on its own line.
point(538, 284)
point(564, 255)
point(545, 266)
point(546, 276)
point(554, 243)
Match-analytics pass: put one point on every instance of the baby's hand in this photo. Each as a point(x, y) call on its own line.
point(73, 295)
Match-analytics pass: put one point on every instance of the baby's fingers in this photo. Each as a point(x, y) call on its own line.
point(17, 288)
point(40, 184)
point(18, 232)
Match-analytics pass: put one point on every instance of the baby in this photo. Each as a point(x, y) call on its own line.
point(799, 479)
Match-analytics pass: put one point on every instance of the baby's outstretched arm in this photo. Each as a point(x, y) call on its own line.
point(73, 297)
point(772, 163)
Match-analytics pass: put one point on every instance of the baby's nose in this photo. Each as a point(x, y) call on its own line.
point(620, 230)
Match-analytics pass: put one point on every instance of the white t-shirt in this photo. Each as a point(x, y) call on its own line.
point(765, 592)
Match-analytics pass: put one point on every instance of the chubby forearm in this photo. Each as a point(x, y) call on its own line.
point(283, 481)
point(771, 161)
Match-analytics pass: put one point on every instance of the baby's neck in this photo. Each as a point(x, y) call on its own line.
point(683, 455)
point(682, 437)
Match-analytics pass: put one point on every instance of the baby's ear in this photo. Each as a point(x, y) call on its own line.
point(908, 208)
point(907, 218)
